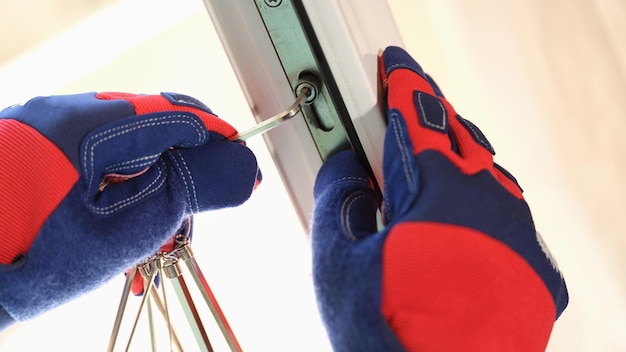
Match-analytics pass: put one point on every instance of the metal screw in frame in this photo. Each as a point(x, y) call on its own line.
point(273, 3)
point(306, 91)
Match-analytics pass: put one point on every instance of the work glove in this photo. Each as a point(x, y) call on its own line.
point(456, 264)
point(92, 184)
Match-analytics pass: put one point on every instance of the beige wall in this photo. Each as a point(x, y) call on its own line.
point(27, 23)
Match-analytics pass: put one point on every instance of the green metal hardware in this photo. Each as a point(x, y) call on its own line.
point(299, 63)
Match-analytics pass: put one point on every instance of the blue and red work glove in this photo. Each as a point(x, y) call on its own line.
point(458, 265)
point(93, 183)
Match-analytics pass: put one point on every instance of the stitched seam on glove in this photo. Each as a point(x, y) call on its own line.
point(151, 188)
point(95, 140)
point(424, 116)
point(192, 197)
point(139, 162)
point(346, 206)
point(337, 182)
point(406, 151)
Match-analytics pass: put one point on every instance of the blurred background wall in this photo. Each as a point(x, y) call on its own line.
point(545, 81)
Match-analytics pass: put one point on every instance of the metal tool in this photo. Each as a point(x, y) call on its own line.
point(174, 273)
point(168, 266)
point(186, 254)
point(306, 94)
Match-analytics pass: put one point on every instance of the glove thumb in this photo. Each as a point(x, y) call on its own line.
point(216, 175)
point(347, 251)
point(345, 201)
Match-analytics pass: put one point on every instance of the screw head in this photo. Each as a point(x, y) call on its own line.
point(273, 3)
point(312, 94)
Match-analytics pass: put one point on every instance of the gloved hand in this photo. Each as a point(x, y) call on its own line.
point(93, 183)
point(458, 265)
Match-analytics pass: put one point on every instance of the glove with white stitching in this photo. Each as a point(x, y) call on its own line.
point(93, 183)
point(458, 265)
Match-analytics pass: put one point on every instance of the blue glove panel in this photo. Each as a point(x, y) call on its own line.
point(144, 164)
point(346, 267)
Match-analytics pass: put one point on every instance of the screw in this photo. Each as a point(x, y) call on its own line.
point(311, 94)
point(312, 83)
point(273, 3)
